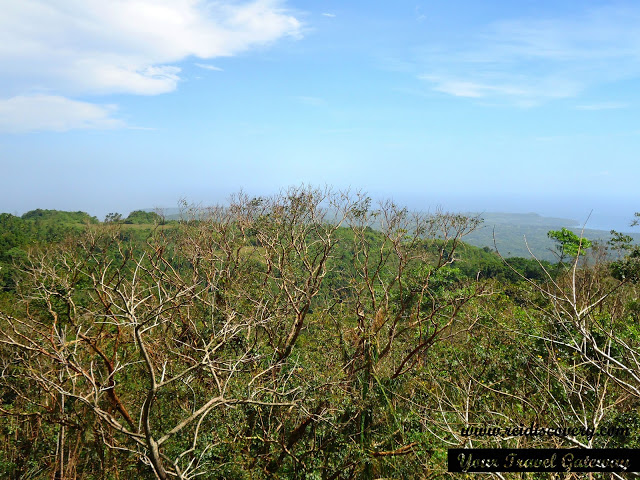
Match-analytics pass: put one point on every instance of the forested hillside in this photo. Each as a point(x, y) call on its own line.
point(275, 338)
point(523, 235)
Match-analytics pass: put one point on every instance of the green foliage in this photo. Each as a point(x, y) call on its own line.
point(113, 217)
point(627, 268)
point(484, 263)
point(626, 264)
point(569, 244)
point(405, 339)
point(18, 234)
point(142, 217)
point(59, 216)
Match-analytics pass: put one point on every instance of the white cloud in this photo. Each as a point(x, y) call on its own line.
point(531, 61)
point(603, 106)
point(53, 113)
point(127, 46)
point(457, 88)
point(206, 66)
point(94, 47)
point(521, 92)
point(330, 15)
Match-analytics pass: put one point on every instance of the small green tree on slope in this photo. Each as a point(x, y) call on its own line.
point(568, 244)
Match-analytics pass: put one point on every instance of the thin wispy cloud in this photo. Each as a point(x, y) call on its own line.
point(603, 106)
point(330, 15)
point(69, 48)
point(206, 66)
point(460, 88)
point(531, 61)
point(522, 92)
point(22, 114)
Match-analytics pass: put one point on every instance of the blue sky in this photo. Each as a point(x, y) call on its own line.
point(494, 105)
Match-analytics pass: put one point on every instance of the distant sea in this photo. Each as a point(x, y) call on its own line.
point(599, 213)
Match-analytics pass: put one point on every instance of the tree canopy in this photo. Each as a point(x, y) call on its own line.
point(310, 334)
point(569, 244)
point(140, 217)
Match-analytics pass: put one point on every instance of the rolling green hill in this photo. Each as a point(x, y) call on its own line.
point(516, 234)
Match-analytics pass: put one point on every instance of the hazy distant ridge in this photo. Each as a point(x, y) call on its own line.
point(511, 229)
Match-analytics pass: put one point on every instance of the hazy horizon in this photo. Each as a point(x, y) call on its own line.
point(481, 106)
point(602, 215)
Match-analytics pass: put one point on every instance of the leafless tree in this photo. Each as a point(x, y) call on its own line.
point(166, 343)
point(200, 319)
point(400, 297)
point(586, 361)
